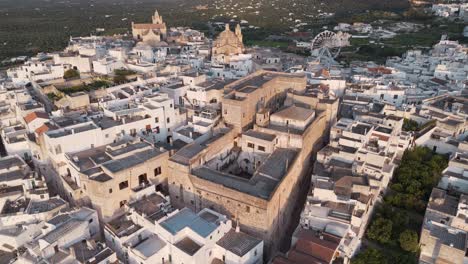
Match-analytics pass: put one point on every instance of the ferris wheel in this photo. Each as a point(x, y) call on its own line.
point(327, 45)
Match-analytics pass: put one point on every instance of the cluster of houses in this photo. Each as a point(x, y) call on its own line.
point(455, 10)
point(204, 151)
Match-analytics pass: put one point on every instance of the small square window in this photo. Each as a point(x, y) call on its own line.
point(157, 171)
point(123, 185)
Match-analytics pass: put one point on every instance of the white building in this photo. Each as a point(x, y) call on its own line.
point(181, 237)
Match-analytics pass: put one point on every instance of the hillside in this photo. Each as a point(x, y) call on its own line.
point(30, 26)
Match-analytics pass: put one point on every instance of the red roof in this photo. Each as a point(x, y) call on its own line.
point(381, 137)
point(300, 257)
point(282, 260)
point(44, 128)
point(32, 116)
point(322, 248)
point(322, 72)
point(382, 70)
point(439, 81)
point(311, 248)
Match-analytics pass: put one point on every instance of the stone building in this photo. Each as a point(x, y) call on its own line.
point(227, 44)
point(150, 33)
point(110, 176)
point(254, 177)
point(261, 90)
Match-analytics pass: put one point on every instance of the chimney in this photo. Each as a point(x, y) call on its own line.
point(227, 27)
point(237, 226)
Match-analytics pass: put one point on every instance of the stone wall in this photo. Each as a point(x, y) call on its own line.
point(267, 219)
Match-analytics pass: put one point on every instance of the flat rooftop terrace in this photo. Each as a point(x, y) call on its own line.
point(264, 181)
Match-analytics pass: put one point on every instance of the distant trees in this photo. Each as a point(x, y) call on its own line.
point(71, 74)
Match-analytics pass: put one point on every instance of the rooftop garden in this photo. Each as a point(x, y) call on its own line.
point(87, 87)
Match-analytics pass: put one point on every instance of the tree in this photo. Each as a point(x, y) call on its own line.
point(410, 125)
point(71, 73)
point(409, 241)
point(119, 79)
point(381, 230)
point(369, 256)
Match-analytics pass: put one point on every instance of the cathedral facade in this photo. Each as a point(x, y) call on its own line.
point(150, 33)
point(227, 44)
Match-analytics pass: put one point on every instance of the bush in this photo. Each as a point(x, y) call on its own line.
point(119, 79)
point(381, 230)
point(95, 85)
point(369, 256)
point(409, 241)
point(70, 74)
point(123, 72)
point(410, 125)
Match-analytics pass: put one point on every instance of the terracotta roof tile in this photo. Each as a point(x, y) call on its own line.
point(32, 116)
point(44, 128)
